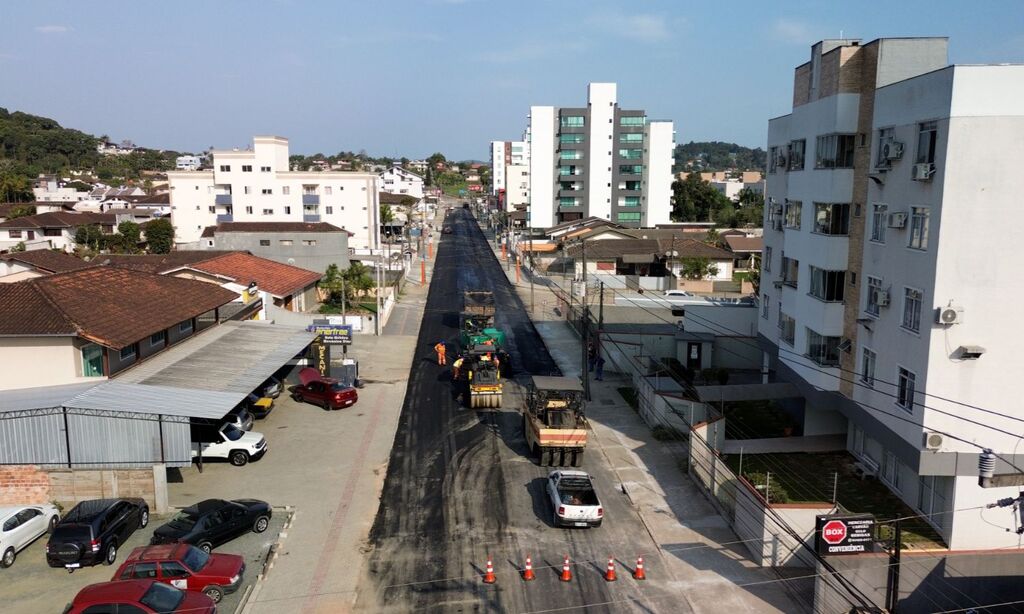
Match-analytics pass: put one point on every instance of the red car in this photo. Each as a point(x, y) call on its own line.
point(327, 392)
point(145, 596)
point(185, 567)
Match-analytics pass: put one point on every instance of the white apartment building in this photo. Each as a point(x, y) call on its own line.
point(508, 157)
point(53, 189)
point(884, 296)
point(188, 163)
point(255, 185)
point(599, 160)
point(397, 180)
point(517, 186)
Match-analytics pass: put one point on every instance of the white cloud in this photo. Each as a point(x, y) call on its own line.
point(528, 52)
point(53, 29)
point(789, 30)
point(641, 27)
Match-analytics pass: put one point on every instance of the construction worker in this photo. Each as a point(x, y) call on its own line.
point(455, 368)
point(440, 349)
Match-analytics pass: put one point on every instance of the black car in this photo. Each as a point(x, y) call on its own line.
point(210, 523)
point(93, 530)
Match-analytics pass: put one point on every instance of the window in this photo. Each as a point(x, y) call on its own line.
point(764, 306)
point(879, 219)
point(328, 190)
point(287, 210)
point(790, 271)
point(632, 186)
point(823, 350)
point(285, 242)
point(247, 190)
point(773, 159)
point(248, 209)
point(858, 441)
point(568, 201)
point(567, 170)
point(632, 120)
point(570, 138)
point(572, 121)
point(787, 328)
point(128, 353)
point(766, 262)
point(173, 569)
point(264, 169)
point(268, 212)
point(919, 227)
point(286, 190)
point(141, 571)
point(267, 191)
point(832, 218)
point(629, 201)
point(631, 216)
point(634, 169)
point(911, 309)
point(631, 137)
point(793, 210)
point(328, 210)
point(157, 338)
point(570, 154)
point(92, 361)
point(905, 390)
point(631, 154)
point(834, 151)
point(891, 470)
point(246, 168)
point(867, 367)
point(14, 234)
point(185, 327)
point(874, 288)
point(225, 168)
point(795, 154)
point(213, 209)
point(309, 242)
point(827, 285)
point(264, 242)
point(926, 133)
point(884, 138)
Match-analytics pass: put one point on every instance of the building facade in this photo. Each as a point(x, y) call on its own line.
point(877, 299)
point(599, 160)
point(510, 170)
point(312, 246)
point(397, 180)
point(255, 185)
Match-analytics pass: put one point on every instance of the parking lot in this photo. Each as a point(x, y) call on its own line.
point(32, 587)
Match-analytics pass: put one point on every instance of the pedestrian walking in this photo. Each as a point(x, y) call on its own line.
point(591, 356)
point(599, 365)
point(440, 349)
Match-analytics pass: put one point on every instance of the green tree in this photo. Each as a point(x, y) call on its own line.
point(697, 268)
point(755, 275)
point(333, 282)
point(358, 280)
point(386, 215)
point(428, 178)
point(21, 211)
point(14, 184)
point(712, 237)
point(750, 208)
point(18, 247)
point(435, 158)
point(160, 236)
point(130, 236)
point(89, 237)
point(695, 200)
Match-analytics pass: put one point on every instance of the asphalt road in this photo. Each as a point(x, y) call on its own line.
point(460, 486)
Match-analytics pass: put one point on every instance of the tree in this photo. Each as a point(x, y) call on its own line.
point(386, 215)
point(14, 185)
point(695, 200)
point(712, 237)
point(357, 279)
point(18, 247)
point(89, 237)
point(755, 275)
point(428, 179)
point(435, 158)
point(130, 236)
point(697, 268)
point(333, 282)
point(160, 236)
point(21, 211)
point(751, 208)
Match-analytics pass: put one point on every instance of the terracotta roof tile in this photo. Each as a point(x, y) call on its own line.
point(744, 244)
point(59, 219)
point(160, 263)
point(274, 277)
point(277, 227)
point(48, 260)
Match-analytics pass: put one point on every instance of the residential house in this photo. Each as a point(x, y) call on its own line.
point(51, 188)
point(397, 180)
point(309, 245)
point(18, 266)
point(746, 250)
point(52, 230)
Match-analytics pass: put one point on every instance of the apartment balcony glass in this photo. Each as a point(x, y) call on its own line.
point(310, 199)
point(569, 202)
point(574, 138)
point(823, 350)
point(629, 201)
point(629, 186)
point(222, 199)
point(631, 137)
point(632, 120)
point(310, 217)
point(628, 216)
point(631, 154)
point(572, 121)
point(566, 186)
point(631, 169)
point(565, 171)
point(225, 217)
point(570, 154)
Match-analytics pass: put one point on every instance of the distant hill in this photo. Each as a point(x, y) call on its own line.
point(718, 156)
point(41, 145)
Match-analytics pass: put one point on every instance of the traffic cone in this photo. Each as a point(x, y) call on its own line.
point(638, 573)
point(609, 575)
point(528, 572)
point(566, 572)
point(489, 575)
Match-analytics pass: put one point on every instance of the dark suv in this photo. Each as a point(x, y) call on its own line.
point(93, 530)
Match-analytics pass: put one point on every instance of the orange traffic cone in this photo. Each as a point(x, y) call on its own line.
point(528, 572)
point(638, 573)
point(566, 572)
point(609, 575)
point(489, 575)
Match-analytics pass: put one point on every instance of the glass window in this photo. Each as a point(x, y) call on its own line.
point(867, 367)
point(628, 216)
point(631, 154)
point(570, 154)
point(629, 201)
point(827, 285)
point(766, 262)
point(143, 571)
point(834, 151)
point(287, 210)
point(793, 210)
point(926, 135)
point(329, 210)
point(832, 218)
point(128, 353)
point(911, 309)
point(246, 168)
point(248, 209)
point(632, 120)
point(890, 470)
point(224, 168)
point(309, 242)
point(919, 227)
point(764, 306)
point(567, 170)
point(790, 271)
point(631, 137)
point(572, 121)
point(858, 441)
point(267, 191)
point(185, 326)
point(264, 169)
point(285, 242)
point(286, 190)
point(874, 288)
point(328, 190)
point(634, 169)
point(173, 569)
point(268, 212)
point(823, 350)
point(879, 220)
point(787, 329)
point(264, 242)
point(570, 138)
point(158, 338)
point(795, 154)
point(773, 159)
point(905, 390)
point(568, 201)
point(92, 361)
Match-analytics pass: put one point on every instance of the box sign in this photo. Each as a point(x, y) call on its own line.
point(846, 534)
point(321, 357)
point(332, 334)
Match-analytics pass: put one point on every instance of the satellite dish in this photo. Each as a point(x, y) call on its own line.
point(291, 261)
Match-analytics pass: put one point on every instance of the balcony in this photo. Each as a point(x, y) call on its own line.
point(222, 199)
point(310, 217)
point(311, 199)
point(225, 217)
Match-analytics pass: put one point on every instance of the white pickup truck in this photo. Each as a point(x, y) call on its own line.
point(573, 500)
point(232, 443)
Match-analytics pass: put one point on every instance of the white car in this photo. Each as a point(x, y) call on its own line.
point(21, 525)
point(679, 294)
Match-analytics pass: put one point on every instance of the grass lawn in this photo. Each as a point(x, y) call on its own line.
point(741, 276)
point(756, 419)
point(809, 477)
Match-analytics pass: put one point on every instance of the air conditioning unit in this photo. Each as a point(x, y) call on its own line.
point(951, 314)
point(897, 220)
point(893, 150)
point(932, 441)
point(923, 171)
point(845, 345)
point(882, 298)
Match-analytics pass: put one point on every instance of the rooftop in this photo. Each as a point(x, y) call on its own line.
point(59, 219)
point(159, 263)
point(209, 231)
point(274, 277)
point(47, 260)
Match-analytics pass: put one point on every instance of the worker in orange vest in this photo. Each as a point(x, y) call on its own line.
point(440, 349)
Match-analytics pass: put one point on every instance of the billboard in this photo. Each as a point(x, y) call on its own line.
point(332, 334)
point(845, 534)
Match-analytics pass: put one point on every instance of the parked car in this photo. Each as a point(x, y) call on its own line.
point(185, 567)
point(212, 522)
point(326, 392)
point(241, 417)
point(271, 388)
point(573, 500)
point(93, 530)
point(679, 294)
point(137, 597)
point(21, 525)
point(256, 406)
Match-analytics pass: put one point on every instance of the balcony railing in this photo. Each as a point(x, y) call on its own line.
point(222, 199)
point(310, 217)
point(311, 199)
point(225, 217)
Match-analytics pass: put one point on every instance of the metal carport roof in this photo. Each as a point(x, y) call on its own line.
point(144, 399)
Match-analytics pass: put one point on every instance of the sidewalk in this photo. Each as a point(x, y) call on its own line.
point(698, 546)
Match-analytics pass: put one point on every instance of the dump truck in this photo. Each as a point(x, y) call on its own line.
point(554, 422)
point(480, 377)
point(476, 322)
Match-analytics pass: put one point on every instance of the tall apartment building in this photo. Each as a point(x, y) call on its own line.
point(599, 160)
point(510, 158)
point(885, 297)
point(256, 185)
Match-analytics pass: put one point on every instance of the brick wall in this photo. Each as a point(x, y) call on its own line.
point(802, 85)
point(24, 484)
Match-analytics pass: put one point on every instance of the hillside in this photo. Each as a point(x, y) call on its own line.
point(718, 156)
point(41, 145)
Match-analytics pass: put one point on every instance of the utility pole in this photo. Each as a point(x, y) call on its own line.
point(585, 324)
point(600, 313)
point(529, 223)
point(894, 569)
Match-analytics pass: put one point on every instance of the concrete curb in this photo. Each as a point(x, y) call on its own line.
point(253, 591)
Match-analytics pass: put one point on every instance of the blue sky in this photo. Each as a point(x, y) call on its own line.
point(410, 77)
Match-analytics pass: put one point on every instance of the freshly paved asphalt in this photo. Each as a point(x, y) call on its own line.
point(460, 486)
